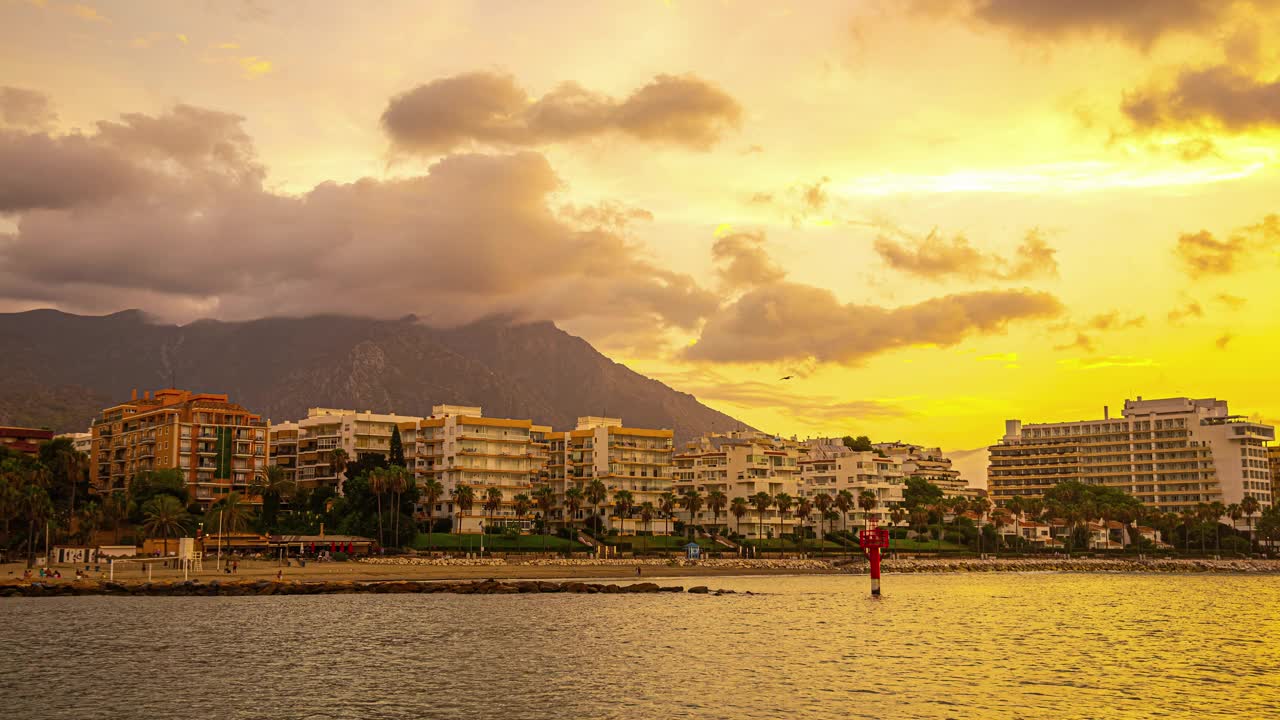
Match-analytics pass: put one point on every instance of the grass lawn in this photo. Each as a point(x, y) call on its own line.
point(526, 543)
point(791, 546)
point(916, 545)
point(662, 542)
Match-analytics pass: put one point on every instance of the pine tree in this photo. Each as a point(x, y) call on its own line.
point(397, 448)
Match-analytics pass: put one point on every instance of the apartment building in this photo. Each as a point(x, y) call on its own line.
point(458, 445)
point(81, 442)
point(930, 464)
point(1171, 453)
point(1273, 458)
point(218, 445)
point(740, 465)
point(324, 430)
point(830, 467)
point(623, 458)
point(23, 440)
point(282, 448)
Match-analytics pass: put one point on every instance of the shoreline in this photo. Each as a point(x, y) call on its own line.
point(500, 576)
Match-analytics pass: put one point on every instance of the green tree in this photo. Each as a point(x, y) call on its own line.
point(545, 498)
point(273, 486)
point(231, 513)
point(692, 502)
point(596, 493)
point(646, 516)
point(862, 443)
point(395, 455)
point(867, 501)
point(36, 508)
point(737, 508)
point(521, 504)
point(762, 500)
point(919, 492)
point(68, 468)
point(90, 521)
point(716, 503)
point(845, 503)
point(573, 499)
point(667, 502)
point(804, 508)
point(115, 510)
point(783, 502)
point(492, 503)
point(10, 497)
point(1249, 505)
point(464, 498)
point(399, 482)
point(338, 462)
point(379, 482)
point(623, 502)
point(823, 502)
point(1216, 511)
point(163, 515)
point(432, 491)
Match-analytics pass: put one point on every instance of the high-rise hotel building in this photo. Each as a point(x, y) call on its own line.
point(218, 446)
point(1172, 453)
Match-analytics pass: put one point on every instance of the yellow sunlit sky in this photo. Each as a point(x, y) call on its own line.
point(932, 215)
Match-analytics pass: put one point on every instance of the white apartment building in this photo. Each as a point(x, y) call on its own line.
point(1171, 453)
point(81, 442)
point(831, 467)
point(740, 465)
point(325, 429)
point(623, 458)
point(457, 445)
point(930, 464)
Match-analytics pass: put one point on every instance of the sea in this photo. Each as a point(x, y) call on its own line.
point(938, 646)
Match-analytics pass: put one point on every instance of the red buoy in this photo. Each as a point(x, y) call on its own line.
point(872, 540)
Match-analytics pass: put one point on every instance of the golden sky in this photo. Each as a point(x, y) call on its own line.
point(933, 215)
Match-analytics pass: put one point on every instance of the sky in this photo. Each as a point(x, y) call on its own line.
point(931, 216)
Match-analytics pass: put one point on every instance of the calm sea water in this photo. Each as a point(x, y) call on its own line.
point(935, 646)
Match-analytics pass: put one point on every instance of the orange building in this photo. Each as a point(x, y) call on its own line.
point(218, 446)
point(23, 440)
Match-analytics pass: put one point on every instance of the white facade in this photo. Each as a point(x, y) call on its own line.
point(832, 467)
point(740, 465)
point(357, 433)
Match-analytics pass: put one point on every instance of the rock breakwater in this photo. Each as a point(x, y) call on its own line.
point(194, 588)
point(730, 563)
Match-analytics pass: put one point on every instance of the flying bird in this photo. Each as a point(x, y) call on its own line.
point(788, 377)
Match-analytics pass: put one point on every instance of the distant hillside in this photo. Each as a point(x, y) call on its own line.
point(59, 370)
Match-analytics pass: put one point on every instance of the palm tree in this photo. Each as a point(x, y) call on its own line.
point(762, 500)
point(867, 501)
point(667, 506)
point(115, 510)
point(692, 502)
point(36, 507)
point(397, 482)
point(623, 501)
point(379, 482)
point(738, 508)
point(716, 503)
point(596, 493)
point(823, 503)
point(521, 504)
point(90, 521)
point(273, 485)
point(573, 498)
point(1216, 510)
point(646, 517)
point(804, 509)
point(432, 491)
point(66, 466)
point(463, 497)
point(164, 515)
point(1016, 508)
point(783, 502)
point(1249, 506)
point(1203, 512)
point(1187, 515)
point(492, 503)
point(845, 503)
point(338, 462)
point(545, 498)
point(10, 498)
point(229, 514)
point(981, 506)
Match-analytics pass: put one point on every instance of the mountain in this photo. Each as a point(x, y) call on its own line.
point(59, 370)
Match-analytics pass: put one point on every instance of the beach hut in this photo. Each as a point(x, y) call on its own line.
point(692, 551)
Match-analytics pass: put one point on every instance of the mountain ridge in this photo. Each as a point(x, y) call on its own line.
point(61, 369)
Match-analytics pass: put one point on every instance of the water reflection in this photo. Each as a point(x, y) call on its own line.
point(950, 646)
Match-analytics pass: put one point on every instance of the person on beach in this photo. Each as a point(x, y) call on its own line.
point(235, 566)
point(637, 571)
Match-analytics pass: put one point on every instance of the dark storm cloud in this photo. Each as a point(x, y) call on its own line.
point(742, 261)
point(491, 109)
point(790, 321)
point(937, 258)
point(1137, 22)
point(170, 212)
point(1202, 253)
point(20, 107)
point(1215, 97)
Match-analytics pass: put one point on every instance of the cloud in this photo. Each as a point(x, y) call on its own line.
point(170, 212)
point(22, 108)
point(1182, 312)
point(1115, 321)
point(790, 321)
point(491, 109)
point(1137, 22)
point(936, 258)
point(1232, 302)
point(1202, 253)
point(1108, 361)
point(743, 262)
point(254, 66)
point(1217, 98)
point(798, 202)
point(1223, 340)
point(1104, 322)
point(817, 411)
